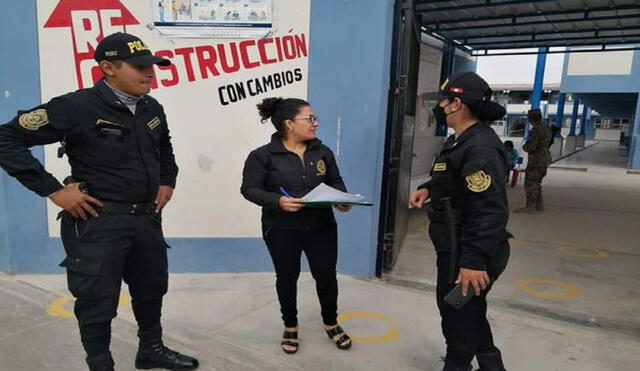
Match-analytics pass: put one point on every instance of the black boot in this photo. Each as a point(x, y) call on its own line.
point(450, 366)
point(490, 361)
point(153, 354)
point(101, 362)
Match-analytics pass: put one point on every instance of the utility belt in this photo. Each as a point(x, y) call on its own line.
point(438, 214)
point(126, 208)
point(138, 208)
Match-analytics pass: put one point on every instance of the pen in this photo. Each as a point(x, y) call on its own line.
point(284, 192)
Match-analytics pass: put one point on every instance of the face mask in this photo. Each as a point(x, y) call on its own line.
point(440, 115)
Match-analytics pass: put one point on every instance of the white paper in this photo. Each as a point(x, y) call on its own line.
point(324, 193)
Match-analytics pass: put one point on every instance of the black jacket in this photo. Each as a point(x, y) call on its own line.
point(122, 157)
point(273, 166)
point(472, 170)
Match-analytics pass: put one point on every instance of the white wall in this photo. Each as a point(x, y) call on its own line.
point(593, 64)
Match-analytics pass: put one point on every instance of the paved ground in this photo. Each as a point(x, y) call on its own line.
point(231, 323)
point(587, 238)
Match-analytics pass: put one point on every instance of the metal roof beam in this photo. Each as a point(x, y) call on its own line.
point(529, 34)
point(457, 44)
point(514, 17)
point(485, 52)
point(586, 43)
point(533, 23)
point(623, 38)
point(418, 2)
point(424, 8)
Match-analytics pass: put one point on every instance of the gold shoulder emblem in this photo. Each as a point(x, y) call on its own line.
point(444, 84)
point(478, 181)
point(321, 167)
point(34, 120)
point(440, 166)
point(154, 123)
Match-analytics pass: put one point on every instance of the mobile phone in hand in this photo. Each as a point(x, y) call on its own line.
point(455, 297)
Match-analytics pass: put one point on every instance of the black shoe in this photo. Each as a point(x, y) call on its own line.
point(490, 361)
point(101, 362)
point(153, 354)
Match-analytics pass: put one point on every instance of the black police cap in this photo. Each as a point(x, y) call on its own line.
point(466, 86)
point(470, 88)
point(126, 47)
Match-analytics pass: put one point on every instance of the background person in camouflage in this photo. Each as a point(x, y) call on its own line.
point(537, 146)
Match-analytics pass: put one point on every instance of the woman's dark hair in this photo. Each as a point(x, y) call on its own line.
point(508, 144)
point(279, 110)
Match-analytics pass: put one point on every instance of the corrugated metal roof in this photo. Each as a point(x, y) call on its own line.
point(478, 25)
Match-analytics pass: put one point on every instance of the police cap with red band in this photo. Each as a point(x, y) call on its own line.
point(466, 86)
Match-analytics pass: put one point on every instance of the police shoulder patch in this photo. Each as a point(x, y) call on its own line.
point(478, 181)
point(34, 120)
point(321, 167)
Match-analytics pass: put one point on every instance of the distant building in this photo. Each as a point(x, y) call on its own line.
point(517, 100)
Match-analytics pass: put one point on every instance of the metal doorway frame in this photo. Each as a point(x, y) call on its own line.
point(401, 113)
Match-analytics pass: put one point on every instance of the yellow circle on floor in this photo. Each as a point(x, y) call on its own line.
point(57, 309)
point(391, 335)
point(569, 290)
point(583, 252)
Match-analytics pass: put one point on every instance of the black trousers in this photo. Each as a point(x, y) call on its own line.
point(466, 330)
point(320, 245)
point(103, 251)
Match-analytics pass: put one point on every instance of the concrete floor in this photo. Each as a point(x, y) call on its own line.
point(231, 322)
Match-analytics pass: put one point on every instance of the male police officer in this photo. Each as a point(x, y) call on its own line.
point(119, 149)
point(537, 145)
point(468, 212)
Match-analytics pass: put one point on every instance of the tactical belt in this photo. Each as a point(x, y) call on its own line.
point(123, 208)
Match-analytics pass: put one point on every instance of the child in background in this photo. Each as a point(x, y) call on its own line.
point(512, 154)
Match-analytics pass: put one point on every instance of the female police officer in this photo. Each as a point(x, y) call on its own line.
point(468, 212)
point(274, 177)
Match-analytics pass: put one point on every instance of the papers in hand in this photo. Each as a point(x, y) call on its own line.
point(323, 195)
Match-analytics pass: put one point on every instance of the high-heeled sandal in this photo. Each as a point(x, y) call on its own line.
point(343, 342)
point(290, 339)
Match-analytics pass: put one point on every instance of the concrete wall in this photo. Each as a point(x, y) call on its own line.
point(24, 244)
point(607, 72)
point(348, 86)
point(607, 134)
point(599, 82)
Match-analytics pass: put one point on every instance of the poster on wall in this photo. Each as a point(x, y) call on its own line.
point(213, 18)
point(209, 94)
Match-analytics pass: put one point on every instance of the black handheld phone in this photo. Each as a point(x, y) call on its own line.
point(455, 297)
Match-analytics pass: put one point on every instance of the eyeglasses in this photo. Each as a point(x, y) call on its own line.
point(310, 118)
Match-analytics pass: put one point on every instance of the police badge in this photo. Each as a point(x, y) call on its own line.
point(34, 120)
point(478, 181)
point(321, 167)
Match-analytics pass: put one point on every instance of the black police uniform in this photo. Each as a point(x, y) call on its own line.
point(286, 234)
point(123, 158)
point(470, 170)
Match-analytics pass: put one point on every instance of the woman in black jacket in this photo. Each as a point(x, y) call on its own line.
point(276, 176)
